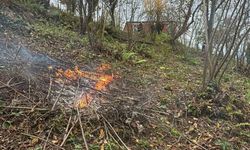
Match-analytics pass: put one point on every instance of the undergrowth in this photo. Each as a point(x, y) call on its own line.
point(32, 5)
point(50, 31)
point(172, 78)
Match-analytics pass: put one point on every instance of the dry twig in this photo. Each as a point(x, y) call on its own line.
point(202, 147)
point(33, 136)
point(109, 134)
point(83, 135)
point(21, 107)
point(49, 90)
point(115, 133)
point(57, 99)
point(45, 144)
point(67, 134)
point(8, 86)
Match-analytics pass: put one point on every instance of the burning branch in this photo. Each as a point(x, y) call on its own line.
point(102, 81)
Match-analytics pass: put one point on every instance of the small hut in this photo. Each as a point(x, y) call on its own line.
point(145, 26)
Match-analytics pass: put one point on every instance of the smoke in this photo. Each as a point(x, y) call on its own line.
point(16, 59)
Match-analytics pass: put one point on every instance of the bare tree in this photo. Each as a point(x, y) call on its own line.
point(82, 25)
point(248, 54)
point(112, 4)
point(229, 18)
point(70, 4)
point(154, 10)
point(180, 14)
point(86, 11)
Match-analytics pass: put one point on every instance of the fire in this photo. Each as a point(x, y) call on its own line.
point(102, 81)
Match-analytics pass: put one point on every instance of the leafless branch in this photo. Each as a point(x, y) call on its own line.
point(83, 135)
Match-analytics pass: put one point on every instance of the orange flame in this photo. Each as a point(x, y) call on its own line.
point(102, 81)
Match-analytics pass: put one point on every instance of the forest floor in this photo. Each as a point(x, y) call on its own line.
point(154, 103)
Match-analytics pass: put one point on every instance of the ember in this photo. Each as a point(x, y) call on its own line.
point(102, 81)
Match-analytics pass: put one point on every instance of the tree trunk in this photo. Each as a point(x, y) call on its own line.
point(112, 19)
point(82, 24)
point(158, 22)
point(112, 12)
point(73, 6)
point(248, 54)
point(47, 4)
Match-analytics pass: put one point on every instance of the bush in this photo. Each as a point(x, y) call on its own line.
point(33, 6)
point(58, 32)
point(162, 38)
point(61, 18)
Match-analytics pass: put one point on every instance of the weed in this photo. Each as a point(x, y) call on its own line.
point(128, 55)
point(175, 132)
point(6, 124)
point(143, 143)
point(32, 5)
point(248, 96)
point(243, 124)
point(225, 145)
point(162, 38)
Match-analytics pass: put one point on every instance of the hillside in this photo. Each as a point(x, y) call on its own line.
point(154, 100)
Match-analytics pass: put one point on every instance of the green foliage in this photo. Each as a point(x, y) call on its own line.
point(175, 132)
point(245, 133)
point(50, 31)
point(75, 141)
point(32, 5)
point(189, 59)
point(38, 147)
point(61, 18)
point(6, 124)
point(229, 108)
point(162, 38)
point(164, 100)
point(225, 145)
point(141, 61)
point(120, 50)
point(128, 55)
point(248, 90)
point(248, 96)
point(110, 145)
point(54, 12)
point(143, 143)
point(226, 78)
point(17, 114)
point(194, 110)
point(245, 124)
point(144, 50)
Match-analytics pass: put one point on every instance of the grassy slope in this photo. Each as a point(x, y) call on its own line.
point(162, 83)
point(159, 82)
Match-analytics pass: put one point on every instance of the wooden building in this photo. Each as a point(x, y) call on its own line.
point(145, 26)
